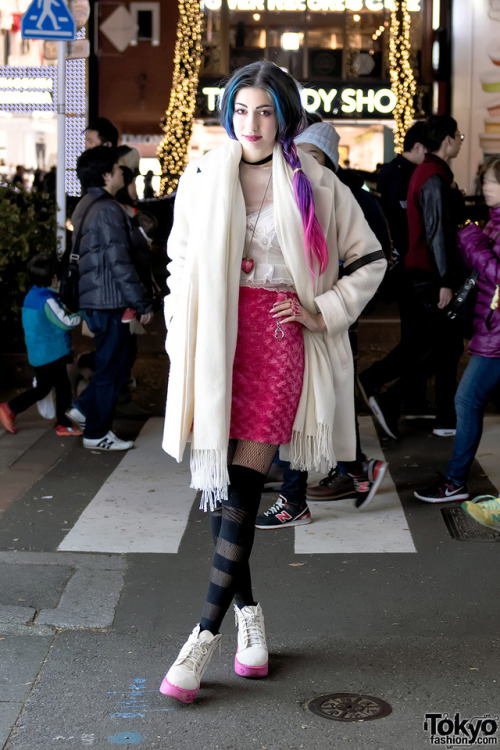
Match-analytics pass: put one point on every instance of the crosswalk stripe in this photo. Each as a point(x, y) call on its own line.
point(142, 507)
point(339, 528)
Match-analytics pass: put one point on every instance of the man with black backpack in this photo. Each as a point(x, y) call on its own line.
point(108, 284)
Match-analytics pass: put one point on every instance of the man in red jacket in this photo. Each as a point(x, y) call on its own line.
point(435, 207)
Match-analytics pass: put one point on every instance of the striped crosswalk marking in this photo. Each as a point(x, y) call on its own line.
point(142, 507)
point(339, 528)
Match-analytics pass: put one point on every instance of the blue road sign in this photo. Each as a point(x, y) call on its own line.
point(48, 19)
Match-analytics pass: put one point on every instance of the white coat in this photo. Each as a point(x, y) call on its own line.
point(205, 248)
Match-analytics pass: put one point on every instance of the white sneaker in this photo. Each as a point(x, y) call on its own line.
point(252, 657)
point(76, 416)
point(182, 680)
point(108, 443)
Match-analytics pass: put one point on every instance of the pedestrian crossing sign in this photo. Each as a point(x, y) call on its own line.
point(48, 19)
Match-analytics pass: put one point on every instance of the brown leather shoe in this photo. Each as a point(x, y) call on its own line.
point(333, 487)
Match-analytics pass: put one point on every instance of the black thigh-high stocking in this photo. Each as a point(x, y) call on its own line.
point(233, 528)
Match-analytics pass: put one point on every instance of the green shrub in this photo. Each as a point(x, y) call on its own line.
point(27, 227)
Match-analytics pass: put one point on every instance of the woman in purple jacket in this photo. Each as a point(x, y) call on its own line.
point(480, 249)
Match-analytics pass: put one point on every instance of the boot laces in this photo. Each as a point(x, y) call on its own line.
point(253, 630)
point(194, 653)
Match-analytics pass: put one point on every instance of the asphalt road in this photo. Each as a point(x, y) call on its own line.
point(103, 570)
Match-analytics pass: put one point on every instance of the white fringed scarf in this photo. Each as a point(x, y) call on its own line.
point(202, 337)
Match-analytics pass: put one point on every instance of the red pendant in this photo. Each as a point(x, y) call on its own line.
point(247, 265)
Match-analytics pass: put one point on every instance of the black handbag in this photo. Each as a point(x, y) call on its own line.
point(69, 276)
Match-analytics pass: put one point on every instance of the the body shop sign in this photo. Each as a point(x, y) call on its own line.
point(341, 102)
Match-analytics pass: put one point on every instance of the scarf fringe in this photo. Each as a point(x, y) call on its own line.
point(312, 452)
point(210, 475)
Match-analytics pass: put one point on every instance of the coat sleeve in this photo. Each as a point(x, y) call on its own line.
point(363, 262)
point(480, 252)
point(177, 245)
point(439, 229)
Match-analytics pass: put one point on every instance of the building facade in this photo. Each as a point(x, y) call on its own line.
point(339, 51)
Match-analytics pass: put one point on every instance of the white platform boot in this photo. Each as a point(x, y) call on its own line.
point(252, 657)
point(182, 680)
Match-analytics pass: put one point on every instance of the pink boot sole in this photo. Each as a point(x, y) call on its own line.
point(185, 696)
point(246, 671)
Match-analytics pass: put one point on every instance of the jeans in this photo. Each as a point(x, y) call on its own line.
point(98, 401)
point(478, 382)
point(294, 483)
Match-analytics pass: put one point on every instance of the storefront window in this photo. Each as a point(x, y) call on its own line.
point(337, 49)
point(312, 42)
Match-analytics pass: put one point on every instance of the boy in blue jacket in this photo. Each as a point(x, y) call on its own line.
point(46, 324)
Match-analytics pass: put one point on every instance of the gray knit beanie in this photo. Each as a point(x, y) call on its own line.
point(325, 137)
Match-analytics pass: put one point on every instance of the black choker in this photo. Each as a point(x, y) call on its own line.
point(257, 163)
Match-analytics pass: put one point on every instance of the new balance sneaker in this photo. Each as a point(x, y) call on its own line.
point(332, 487)
point(7, 418)
point(108, 443)
point(385, 414)
point(70, 431)
point(442, 491)
point(367, 483)
point(485, 509)
point(281, 514)
point(374, 472)
point(183, 679)
point(76, 416)
point(252, 657)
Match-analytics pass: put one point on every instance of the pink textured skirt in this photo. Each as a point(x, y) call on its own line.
point(268, 371)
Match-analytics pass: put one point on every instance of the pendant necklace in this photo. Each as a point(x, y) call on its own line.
point(247, 263)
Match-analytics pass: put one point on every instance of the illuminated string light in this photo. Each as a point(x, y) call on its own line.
point(403, 83)
point(178, 121)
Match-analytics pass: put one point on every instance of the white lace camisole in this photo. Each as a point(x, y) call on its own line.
point(269, 270)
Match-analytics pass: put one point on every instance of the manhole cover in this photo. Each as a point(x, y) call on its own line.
point(349, 707)
point(463, 528)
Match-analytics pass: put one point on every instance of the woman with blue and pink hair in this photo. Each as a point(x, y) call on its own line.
point(257, 321)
